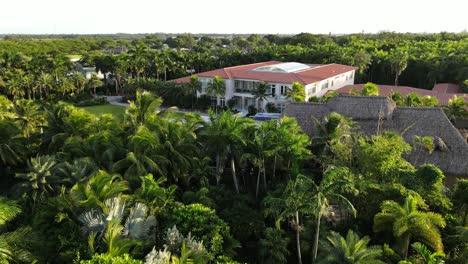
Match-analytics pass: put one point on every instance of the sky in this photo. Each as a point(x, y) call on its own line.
point(235, 16)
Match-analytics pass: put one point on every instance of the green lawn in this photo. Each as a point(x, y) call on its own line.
point(98, 110)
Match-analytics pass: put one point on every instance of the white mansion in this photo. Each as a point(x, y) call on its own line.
point(241, 81)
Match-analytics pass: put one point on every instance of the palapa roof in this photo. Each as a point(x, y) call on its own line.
point(450, 154)
point(443, 92)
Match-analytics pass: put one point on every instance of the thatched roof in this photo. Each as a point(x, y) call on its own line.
point(372, 113)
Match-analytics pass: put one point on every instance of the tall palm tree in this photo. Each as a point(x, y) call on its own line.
point(350, 250)
point(196, 87)
point(260, 93)
point(29, 116)
point(145, 105)
point(335, 181)
point(144, 156)
point(94, 82)
point(79, 82)
point(216, 87)
point(15, 87)
point(224, 136)
point(45, 82)
point(294, 200)
point(408, 223)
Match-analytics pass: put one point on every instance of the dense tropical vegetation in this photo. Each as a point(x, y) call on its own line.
point(156, 186)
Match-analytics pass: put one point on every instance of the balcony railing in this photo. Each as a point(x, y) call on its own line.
point(243, 90)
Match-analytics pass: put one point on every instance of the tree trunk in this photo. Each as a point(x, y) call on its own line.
point(234, 177)
point(396, 79)
point(274, 168)
point(258, 182)
point(407, 240)
point(316, 240)
point(298, 241)
point(264, 175)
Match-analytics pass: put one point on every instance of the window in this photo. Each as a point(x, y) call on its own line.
point(281, 107)
point(213, 100)
point(272, 90)
point(312, 89)
point(222, 101)
point(284, 89)
point(324, 85)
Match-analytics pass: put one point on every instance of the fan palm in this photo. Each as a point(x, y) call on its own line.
point(408, 223)
point(107, 224)
point(350, 250)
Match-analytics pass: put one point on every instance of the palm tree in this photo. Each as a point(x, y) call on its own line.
point(407, 222)
point(97, 189)
point(45, 82)
point(216, 87)
point(15, 87)
point(13, 245)
point(350, 250)
point(11, 148)
point(79, 82)
point(29, 116)
point(335, 181)
point(297, 92)
point(293, 201)
point(108, 224)
point(398, 62)
point(94, 82)
point(78, 170)
point(260, 93)
point(144, 156)
point(139, 59)
point(9, 209)
point(196, 86)
point(145, 105)
point(40, 177)
point(224, 137)
point(426, 256)
point(456, 108)
point(259, 148)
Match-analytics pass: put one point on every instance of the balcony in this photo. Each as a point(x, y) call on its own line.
point(244, 90)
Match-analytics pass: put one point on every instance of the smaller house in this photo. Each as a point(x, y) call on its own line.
point(442, 91)
point(373, 114)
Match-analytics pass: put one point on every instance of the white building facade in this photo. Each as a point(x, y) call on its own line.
point(241, 82)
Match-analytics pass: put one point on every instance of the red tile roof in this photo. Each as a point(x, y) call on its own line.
point(386, 90)
point(314, 74)
point(446, 88)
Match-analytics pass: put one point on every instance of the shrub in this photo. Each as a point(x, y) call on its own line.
point(203, 224)
point(107, 259)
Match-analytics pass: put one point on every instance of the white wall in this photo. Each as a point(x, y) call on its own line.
point(336, 82)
